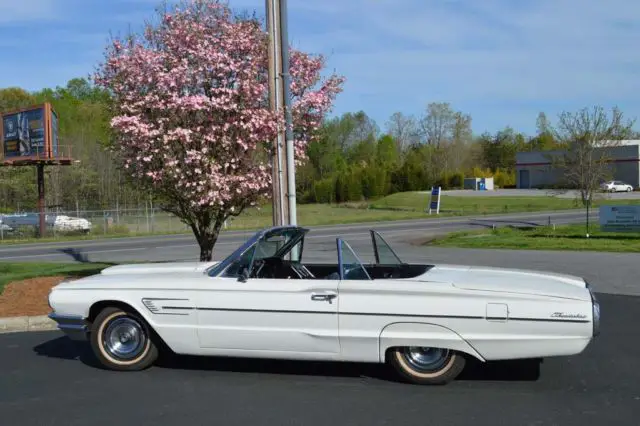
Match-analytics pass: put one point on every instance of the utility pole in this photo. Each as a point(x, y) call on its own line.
point(275, 100)
point(284, 207)
point(286, 82)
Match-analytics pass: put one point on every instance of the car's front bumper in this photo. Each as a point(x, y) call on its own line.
point(75, 327)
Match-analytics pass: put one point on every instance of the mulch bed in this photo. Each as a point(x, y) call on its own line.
point(27, 297)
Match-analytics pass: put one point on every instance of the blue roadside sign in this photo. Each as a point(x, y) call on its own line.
point(434, 204)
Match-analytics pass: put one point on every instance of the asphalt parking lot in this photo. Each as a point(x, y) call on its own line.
point(45, 379)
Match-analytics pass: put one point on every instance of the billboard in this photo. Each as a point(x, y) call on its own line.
point(620, 218)
point(30, 133)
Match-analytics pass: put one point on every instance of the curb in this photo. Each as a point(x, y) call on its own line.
point(22, 324)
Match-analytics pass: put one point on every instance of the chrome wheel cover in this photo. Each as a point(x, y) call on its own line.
point(124, 338)
point(426, 360)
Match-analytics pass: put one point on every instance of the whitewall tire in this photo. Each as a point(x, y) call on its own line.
point(122, 340)
point(426, 366)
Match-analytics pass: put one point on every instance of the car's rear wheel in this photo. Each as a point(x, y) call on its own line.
point(122, 340)
point(426, 366)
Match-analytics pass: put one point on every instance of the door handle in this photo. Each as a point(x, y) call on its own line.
point(328, 297)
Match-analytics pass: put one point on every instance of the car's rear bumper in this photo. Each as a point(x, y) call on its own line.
point(75, 327)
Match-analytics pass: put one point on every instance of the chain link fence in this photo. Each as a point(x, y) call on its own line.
point(95, 223)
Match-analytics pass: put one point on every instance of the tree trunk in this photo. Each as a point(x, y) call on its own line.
point(206, 252)
point(207, 240)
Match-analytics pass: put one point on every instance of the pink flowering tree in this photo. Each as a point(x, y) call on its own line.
point(192, 121)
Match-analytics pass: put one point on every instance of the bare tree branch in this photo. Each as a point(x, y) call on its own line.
point(590, 135)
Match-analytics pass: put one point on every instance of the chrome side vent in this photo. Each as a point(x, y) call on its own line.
point(150, 305)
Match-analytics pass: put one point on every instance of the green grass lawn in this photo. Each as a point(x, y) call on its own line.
point(564, 237)
point(10, 272)
point(325, 214)
point(473, 205)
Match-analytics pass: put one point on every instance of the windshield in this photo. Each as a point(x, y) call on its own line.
point(271, 242)
point(243, 262)
point(278, 243)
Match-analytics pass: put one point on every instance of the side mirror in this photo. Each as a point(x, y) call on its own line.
point(244, 275)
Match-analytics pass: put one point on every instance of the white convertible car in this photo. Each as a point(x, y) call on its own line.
point(263, 301)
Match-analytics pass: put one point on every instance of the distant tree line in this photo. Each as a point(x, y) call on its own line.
point(352, 160)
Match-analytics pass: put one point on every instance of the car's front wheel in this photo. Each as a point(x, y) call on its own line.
point(426, 366)
point(629, 189)
point(122, 340)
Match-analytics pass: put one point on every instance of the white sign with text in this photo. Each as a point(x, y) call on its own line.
point(620, 218)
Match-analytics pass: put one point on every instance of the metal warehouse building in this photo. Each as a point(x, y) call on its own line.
point(535, 170)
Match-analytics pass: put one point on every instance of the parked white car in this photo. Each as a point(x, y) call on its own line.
point(425, 320)
point(62, 223)
point(616, 186)
point(56, 222)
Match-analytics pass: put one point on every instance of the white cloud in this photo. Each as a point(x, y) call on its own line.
point(500, 60)
point(559, 53)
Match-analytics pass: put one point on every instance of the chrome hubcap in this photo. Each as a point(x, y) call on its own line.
point(426, 359)
point(124, 338)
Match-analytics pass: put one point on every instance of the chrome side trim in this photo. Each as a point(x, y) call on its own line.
point(78, 327)
point(61, 317)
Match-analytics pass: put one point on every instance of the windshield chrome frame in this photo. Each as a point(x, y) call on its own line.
point(219, 268)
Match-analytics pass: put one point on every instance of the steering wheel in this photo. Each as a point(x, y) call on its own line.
point(265, 268)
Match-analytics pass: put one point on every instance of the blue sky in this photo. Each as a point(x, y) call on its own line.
point(502, 61)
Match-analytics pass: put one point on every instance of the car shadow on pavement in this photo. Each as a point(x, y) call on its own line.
point(65, 348)
point(521, 370)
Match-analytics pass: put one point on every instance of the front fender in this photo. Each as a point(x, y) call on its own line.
point(423, 334)
point(178, 332)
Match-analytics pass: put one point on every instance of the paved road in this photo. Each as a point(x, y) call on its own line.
point(47, 380)
point(320, 240)
point(607, 272)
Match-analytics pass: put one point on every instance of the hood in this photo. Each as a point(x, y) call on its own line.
point(505, 280)
point(169, 276)
point(157, 268)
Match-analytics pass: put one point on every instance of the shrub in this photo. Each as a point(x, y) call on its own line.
point(348, 186)
point(323, 191)
point(504, 179)
point(375, 182)
point(457, 180)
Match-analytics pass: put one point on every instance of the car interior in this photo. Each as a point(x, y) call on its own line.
point(272, 258)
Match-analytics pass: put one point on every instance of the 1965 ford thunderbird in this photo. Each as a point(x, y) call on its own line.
point(263, 301)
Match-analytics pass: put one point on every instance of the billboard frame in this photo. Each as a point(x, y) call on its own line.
point(47, 157)
point(38, 160)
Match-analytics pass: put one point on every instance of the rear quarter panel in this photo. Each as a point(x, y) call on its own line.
point(470, 319)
